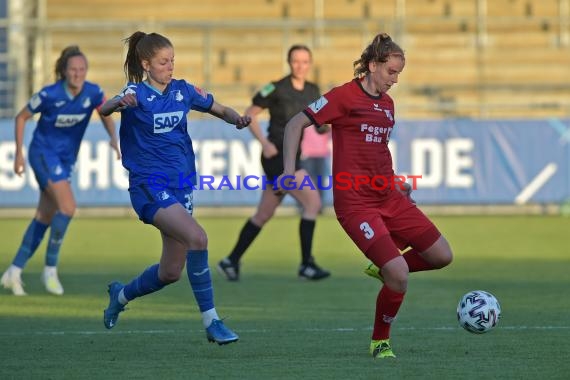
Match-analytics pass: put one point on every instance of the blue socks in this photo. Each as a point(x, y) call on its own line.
point(147, 282)
point(34, 235)
point(32, 239)
point(200, 280)
point(58, 227)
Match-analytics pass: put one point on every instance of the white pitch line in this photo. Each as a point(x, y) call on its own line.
point(536, 183)
point(260, 331)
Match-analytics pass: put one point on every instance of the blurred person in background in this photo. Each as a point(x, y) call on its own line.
point(65, 108)
point(315, 152)
point(283, 98)
point(158, 153)
point(380, 220)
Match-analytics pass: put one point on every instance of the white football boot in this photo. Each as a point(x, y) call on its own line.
point(51, 281)
point(11, 279)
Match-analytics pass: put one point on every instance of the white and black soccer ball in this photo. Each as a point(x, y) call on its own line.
point(478, 311)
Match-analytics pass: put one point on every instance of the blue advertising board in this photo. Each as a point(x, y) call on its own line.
point(459, 161)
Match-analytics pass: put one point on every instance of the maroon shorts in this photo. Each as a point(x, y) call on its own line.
point(406, 224)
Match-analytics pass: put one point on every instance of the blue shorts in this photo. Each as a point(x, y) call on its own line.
point(47, 166)
point(147, 201)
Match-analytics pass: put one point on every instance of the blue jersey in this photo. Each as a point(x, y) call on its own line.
point(155, 143)
point(63, 118)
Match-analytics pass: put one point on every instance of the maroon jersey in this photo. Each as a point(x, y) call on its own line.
point(361, 127)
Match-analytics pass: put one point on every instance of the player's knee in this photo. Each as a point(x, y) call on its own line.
point(198, 240)
point(444, 255)
point(170, 276)
point(45, 217)
point(445, 259)
point(313, 207)
point(262, 216)
point(395, 273)
point(396, 280)
point(68, 209)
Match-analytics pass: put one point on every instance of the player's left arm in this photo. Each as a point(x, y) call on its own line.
point(229, 115)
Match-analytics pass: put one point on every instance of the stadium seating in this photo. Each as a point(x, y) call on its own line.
point(464, 58)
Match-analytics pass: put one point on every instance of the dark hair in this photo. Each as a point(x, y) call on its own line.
point(297, 47)
point(380, 49)
point(61, 63)
point(142, 47)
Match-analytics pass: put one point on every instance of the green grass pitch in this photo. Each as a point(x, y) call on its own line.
point(292, 329)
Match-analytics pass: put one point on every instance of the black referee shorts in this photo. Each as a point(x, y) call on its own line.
point(273, 167)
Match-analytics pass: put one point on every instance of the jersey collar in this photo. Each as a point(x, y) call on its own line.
point(67, 92)
point(359, 82)
point(157, 90)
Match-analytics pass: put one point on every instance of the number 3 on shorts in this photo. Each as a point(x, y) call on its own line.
point(368, 231)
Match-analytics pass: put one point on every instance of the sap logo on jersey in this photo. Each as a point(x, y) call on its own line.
point(166, 122)
point(66, 121)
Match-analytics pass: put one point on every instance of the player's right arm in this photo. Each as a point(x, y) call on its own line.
point(268, 148)
point(127, 98)
point(118, 103)
point(263, 99)
point(293, 132)
point(19, 163)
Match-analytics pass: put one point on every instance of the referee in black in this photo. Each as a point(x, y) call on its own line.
point(284, 99)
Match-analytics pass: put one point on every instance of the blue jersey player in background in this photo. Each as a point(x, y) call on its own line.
point(65, 109)
point(157, 152)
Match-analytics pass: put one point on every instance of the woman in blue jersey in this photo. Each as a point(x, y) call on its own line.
point(157, 152)
point(65, 108)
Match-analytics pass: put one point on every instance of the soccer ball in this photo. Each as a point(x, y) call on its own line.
point(478, 311)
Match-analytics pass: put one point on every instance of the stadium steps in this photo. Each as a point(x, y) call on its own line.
point(521, 46)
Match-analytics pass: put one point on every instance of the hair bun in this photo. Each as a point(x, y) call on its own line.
point(384, 37)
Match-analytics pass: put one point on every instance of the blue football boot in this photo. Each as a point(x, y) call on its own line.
point(111, 313)
point(219, 333)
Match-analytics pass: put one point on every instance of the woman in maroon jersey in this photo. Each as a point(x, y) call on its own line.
point(371, 203)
